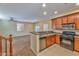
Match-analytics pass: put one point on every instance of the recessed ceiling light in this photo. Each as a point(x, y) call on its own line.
point(77, 4)
point(44, 13)
point(43, 5)
point(55, 12)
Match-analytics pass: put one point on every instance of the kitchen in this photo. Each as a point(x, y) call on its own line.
point(43, 29)
point(65, 31)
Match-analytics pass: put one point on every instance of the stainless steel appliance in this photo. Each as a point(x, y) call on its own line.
point(42, 43)
point(67, 40)
point(68, 26)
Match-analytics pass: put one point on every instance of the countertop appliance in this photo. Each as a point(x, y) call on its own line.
point(67, 40)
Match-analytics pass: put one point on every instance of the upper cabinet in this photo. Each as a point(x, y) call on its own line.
point(64, 19)
point(71, 18)
point(77, 21)
point(53, 23)
point(59, 23)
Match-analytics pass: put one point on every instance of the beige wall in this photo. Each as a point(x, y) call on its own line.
point(10, 27)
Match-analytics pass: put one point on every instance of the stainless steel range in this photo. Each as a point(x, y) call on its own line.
point(67, 40)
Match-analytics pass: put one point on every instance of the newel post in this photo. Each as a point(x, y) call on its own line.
point(0, 45)
point(11, 48)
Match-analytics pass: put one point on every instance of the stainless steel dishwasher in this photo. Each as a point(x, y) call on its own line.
point(42, 43)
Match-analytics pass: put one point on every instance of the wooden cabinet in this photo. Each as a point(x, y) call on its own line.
point(59, 23)
point(64, 19)
point(57, 39)
point(71, 18)
point(50, 40)
point(77, 21)
point(76, 43)
point(53, 23)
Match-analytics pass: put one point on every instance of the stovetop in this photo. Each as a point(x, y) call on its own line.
point(68, 35)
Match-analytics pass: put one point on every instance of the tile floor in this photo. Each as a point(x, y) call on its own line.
point(56, 50)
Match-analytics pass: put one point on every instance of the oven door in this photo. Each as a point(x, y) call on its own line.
point(67, 43)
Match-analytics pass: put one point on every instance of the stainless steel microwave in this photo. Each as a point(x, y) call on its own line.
point(68, 26)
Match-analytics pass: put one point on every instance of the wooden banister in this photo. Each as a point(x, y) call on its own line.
point(0, 45)
point(9, 39)
point(6, 47)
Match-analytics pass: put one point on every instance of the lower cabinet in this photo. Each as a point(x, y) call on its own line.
point(53, 39)
point(50, 40)
point(76, 44)
point(57, 39)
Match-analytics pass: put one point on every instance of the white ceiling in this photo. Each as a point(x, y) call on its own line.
point(33, 11)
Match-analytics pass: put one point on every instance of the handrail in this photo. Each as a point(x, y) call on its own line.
point(7, 39)
point(0, 45)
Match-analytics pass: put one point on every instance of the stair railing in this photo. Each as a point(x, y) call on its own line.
point(10, 48)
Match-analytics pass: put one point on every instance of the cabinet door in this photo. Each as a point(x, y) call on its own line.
point(54, 23)
point(71, 18)
point(57, 39)
point(52, 39)
point(77, 21)
point(59, 23)
point(48, 41)
point(76, 44)
point(64, 19)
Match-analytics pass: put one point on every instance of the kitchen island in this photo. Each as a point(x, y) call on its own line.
point(40, 41)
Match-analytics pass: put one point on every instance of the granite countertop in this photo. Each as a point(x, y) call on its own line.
point(45, 33)
point(42, 32)
point(59, 32)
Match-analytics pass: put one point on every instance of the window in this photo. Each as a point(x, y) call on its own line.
point(20, 27)
point(45, 27)
point(37, 28)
